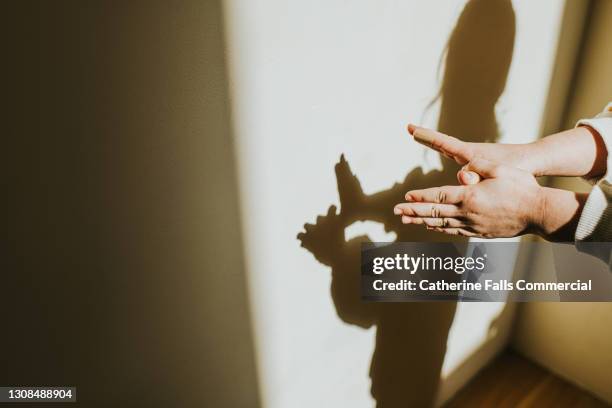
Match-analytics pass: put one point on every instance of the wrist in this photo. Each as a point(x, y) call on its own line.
point(537, 219)
point(576, 152)
point(534, 158)
point(556, 213)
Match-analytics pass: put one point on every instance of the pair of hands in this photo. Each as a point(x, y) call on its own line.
point(498, 196)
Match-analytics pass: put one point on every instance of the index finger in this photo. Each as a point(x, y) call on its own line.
point(447, 145)
point(445, 194)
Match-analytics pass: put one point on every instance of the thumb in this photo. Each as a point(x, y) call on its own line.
point(483, 167)
point(468, 177)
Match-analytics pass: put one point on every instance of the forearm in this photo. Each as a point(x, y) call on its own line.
point(577, 152)
point(558, 213)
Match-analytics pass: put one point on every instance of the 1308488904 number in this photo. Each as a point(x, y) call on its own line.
point(38, 393)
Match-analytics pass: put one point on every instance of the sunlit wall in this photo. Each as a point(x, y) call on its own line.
point(313, 80)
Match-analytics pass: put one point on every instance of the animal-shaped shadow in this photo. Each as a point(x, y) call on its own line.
point(411, 337)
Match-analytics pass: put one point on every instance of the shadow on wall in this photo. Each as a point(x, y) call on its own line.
point(411, 337)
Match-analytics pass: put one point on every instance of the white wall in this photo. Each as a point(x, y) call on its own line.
point(315, 79)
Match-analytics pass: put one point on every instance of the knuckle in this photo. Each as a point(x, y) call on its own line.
point(437, 143)
point(471, 198)
point(441, 196)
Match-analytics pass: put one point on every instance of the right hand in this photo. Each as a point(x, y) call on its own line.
point(507, 203)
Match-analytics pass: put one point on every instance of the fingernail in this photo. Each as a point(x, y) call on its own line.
point(411, 128)
point(466, 177)
point(406, 220)
point(409, 197)
point(397, 211)
point(470, 177)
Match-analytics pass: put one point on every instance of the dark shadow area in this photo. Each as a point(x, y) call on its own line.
point(124, 274)
point(411, 337)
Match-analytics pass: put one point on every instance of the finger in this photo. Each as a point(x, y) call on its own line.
point(427, 210)
point(411, 220)
point(455, 231)
point(484, 167)
point(434, 222)
point(442, 195)
point(342, 165)
point(443, 222)
point(468, 177)
point(332, 210)
point(448, 145)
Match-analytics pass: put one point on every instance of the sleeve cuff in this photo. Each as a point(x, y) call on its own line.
point(602, 123)
point(592, 214)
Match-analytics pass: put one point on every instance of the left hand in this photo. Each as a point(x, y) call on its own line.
point(522, 156)
point(509, 202)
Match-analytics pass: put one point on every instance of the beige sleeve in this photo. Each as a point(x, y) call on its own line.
point(595, 224)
